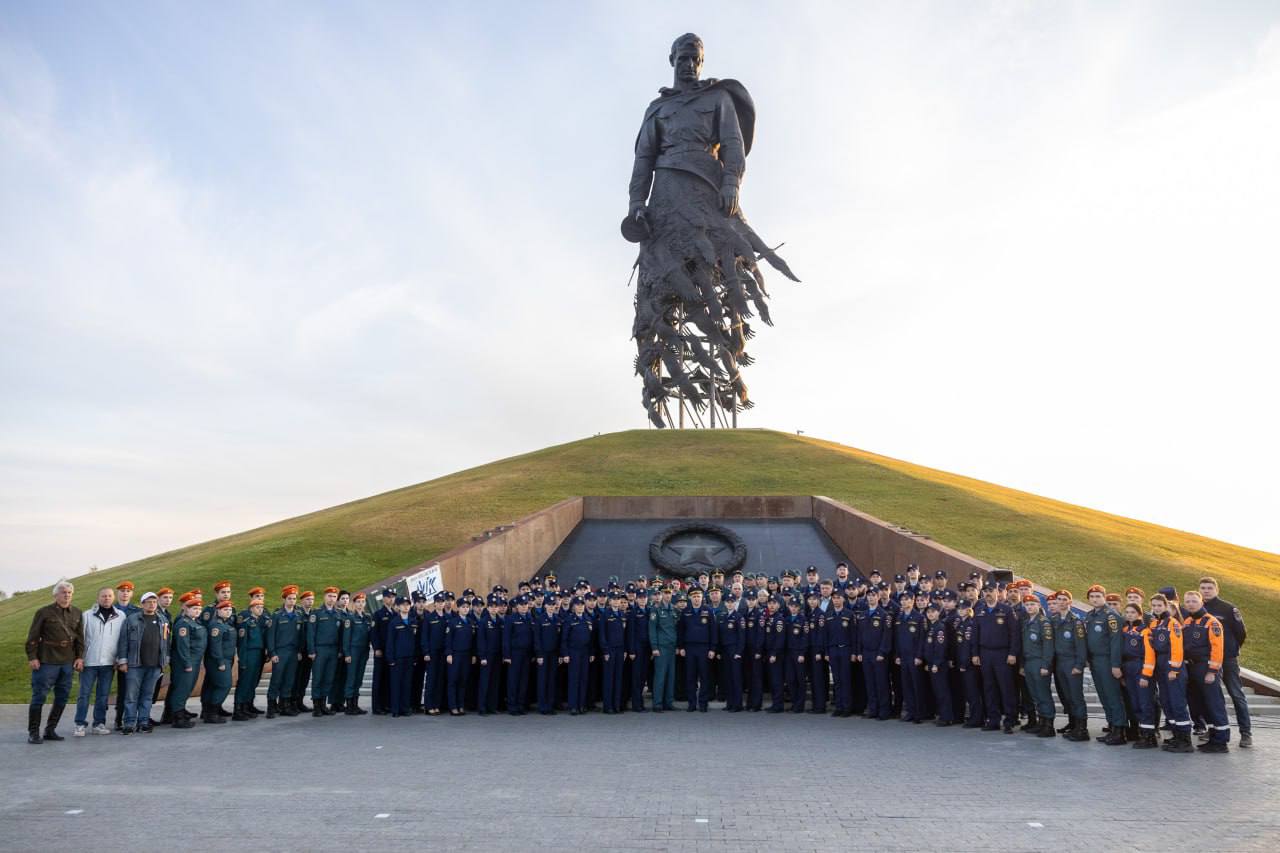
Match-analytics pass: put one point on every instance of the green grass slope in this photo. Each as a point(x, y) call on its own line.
point(355, 544)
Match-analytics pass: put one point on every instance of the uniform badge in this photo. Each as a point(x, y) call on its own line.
point(313, 618)
point(182, 632)
point(704, 620)
point(1033, 637)
point(999, 620)
point(1216, 629)
point(1097, 629)
point(213, 632)
point(1195, 634)
point(241, 632)
point(779, 627)
point(875, 623)
point(911, 629)
point(1066, 635)
point(347, 623)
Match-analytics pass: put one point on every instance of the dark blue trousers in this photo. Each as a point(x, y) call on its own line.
point(697, 676)
point(876, 673)
point(841, 677)
point(517, 680)
point(579, 673)
point(732, 672)
point(997, 686)
point(795, 682)
point(547, 685)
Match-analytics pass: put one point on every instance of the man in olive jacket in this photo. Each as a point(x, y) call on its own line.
point(55, 647)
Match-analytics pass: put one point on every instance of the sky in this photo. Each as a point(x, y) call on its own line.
point(257, 259)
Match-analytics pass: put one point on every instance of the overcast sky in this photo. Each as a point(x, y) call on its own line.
point(258, 259)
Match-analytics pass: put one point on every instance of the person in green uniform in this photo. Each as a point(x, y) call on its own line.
point(219, 657)
point(1102, 638)
point(662, 640)
point(221, 593)
point(1037, 663)
point(284, 647)
point(356, 629)
point(189, 640)
point(306, 602)
point(251, 647)
point(323, 629)
point(1070, 656)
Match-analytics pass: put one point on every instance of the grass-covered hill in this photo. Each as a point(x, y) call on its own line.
point(358, 543)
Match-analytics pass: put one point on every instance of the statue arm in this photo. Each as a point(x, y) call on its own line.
point(733, 153)
point(642, 170)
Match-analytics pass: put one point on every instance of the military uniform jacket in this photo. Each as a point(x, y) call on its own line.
point(305, 617)
point(613, 631)
point(380, 619)
point(431, 633)
point(221, 647)
point(459, 635)
point(908, 637)
point(517, 634)
point(875, 633)
point(996, 630)
point(577, 634)
point(189, 639)
point(402, 639)
point(797, 635)
point(1102, 635)
point(937, 643)
point(323, 626)
point(838, 630)
point(546, 634)
point(251, 636)
point(1037, 642)
point(733, 634)
point(1069, 645)
point(755, 622)
point(663, 633)
point(284, 634)
point(696, 628)
point(356, 630)
point(207, 615)
point(775, 632)
point(638, 631)
point(489, 637)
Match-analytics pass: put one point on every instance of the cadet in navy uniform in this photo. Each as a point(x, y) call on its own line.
point(419, 608)
point(250, 650)
point(1205, 648)
point(577, 646)
point(797, 647)
point(381, 686)
point(937, 662)
point(460, 650)
point(189, 640)
point(733, 645)
point(220, 653)
point(400, 649)
point(997, 644)
point(816, 623)
point(546, 651)
point(908, 641)
point(775, 649)
point(696, 639)
point(638, 650)
point(874, 645)
point(1164, 664)
point(356, 628)
point(1037, 664)
point(755, 623)
point(612, 627)
point(517, 645)
point(970, 675)
point(1070, 657)
point(837, 643)
point(323, 627)
point(489, 652)
point(431, 634)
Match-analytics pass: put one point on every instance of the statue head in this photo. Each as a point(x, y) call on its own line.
point(686, 58)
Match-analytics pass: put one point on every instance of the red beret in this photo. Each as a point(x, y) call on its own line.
point(1132, 590)
point(221, 585)
point(164, 590)
point(1030, 597)
point(1097, 587)
point(306, 593)
point(331, 590)
point(291, 589)
point(125, 585)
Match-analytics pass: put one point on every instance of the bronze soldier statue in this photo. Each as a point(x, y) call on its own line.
point(699, 282)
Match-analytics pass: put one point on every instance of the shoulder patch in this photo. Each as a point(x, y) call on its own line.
point(1113, 623)
point(347, 624)
point(242, 632)
point(213, 632)
point(1216, 628)
point(1175, 628)
point(313, 617)
point(182, 632)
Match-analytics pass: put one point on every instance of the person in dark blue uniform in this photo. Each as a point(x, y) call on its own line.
point(816, 623)
point(908, 641)
point(381, 698)
point(1204, 645)
point(612, 626)
point(971, 675)
point(577, 645)
point(546, 651)
point(874, 645)
point(517, 643)
point(754, 626)
point(400, 649)
point(696, 639)
point(460, 654)
point(284, 641)
point(733, 645)
point(997, 644)
point(639, 653)
point(937, 662)
point(431, 634)
point(797, 648)
point(1070, 657)
point(489, 653)
point(837, 637)
point(356, 628)
point(775, 648)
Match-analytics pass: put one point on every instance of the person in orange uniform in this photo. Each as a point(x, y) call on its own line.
point(1163, 664)
point(1202, 642)
point(1134, 653)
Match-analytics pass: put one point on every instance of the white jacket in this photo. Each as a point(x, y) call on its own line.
point(101, 638)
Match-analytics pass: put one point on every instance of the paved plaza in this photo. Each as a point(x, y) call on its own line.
point(675, 781)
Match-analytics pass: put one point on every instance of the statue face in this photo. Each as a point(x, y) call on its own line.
point(688, 63)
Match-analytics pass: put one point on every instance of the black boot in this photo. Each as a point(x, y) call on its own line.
point(1146, 740)
point(52, 723)
point(211, 716)
point(1046, 729)
point(1032, 725)
point(166, 717)
point(240, 716)
point(350, 708)
point(1180, 742)
point(1078, 733)
point(1115, 737)
point(301, 706)
point(287, 708)
point(252, 709)
point(355, 706)
point(33, 724)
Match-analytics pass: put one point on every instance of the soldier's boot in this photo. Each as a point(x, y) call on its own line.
point(355, 703)
point(240, 715)
point(301, 706)
point(253, 709)
point(350, 708)
point(52, 723)
point(273, 708)
point(210, 716)
point(1131, 734)
point(166, 718)
point(1146, 740)
point(288, 708)
point(33, 724)
point(1032, 725)
point(317, 709)
point(1115, 737)
point(1180, 742)
point(1079, 733)
point(325, 706)
point(1046, 728)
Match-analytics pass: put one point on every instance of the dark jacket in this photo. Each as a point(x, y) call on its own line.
point(56, 635)
point(129, 649)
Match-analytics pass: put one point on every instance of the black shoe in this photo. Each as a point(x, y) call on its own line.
point(1246, 740)
point(1115, 737)
point(991, 728)
point(327, 710)
point(971, 726)
point(250, 708)
point(124, 730)
point(942, 724)
point(1146, 740)
point(1046, 729)
point(1180, 742)
point(691, 708)
point(1211, 746)
point(273, 708)
point(146, 728)
point(240, 714)
point(166, 717)
point(1008, 729)
point(302, 706)
point(317, 711)
point(288, 708)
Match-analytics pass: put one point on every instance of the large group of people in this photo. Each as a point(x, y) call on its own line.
point(979, 654)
